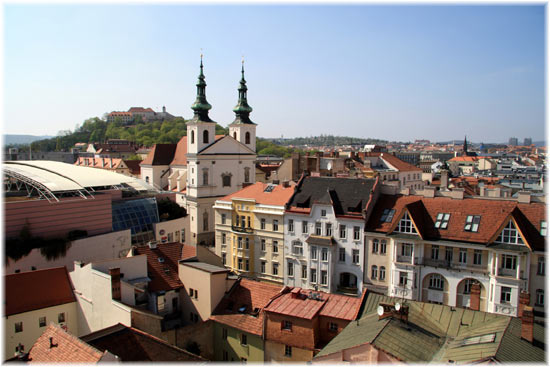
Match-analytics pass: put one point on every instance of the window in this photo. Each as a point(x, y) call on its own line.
point(332, 326)
point(18, 327)
point(297, 248)
point(324, 277)
point(290, 269)
point(436, 282)
point(543, 228)
point(240, 242)
point(247, 138)
point(318, 229)
point(224, 258)
point(324, 254)
point(323, 213)
point(382, 273)
point(275, 246)
point(287, 325)
point(468, 285)
point(291, 225)
point(375, 246)
point(262, 244)
point(356, 233)
point(262, 223)
point(405, 224)
point(314, 275)
point(505, 294)
point(224, 334)
point(243, 218)
point(510, 234)
point(288, 351)
point(383, 247)
point(240, 264)
point(374, 272)
point(313, 252)
point(539, 300)
point(275, 225)
point(226, 180)
point(205, 177)
point(61, 317)
point(387, 215)
point(342, 254)
point(448, 254)
point(42, 321)
point(508, 262)
point(275, 269)
point(246, 265)
point(192, 136)
point(205, 221)
point(355, 255)
point(205, 137)
point(342, 231)
point(262, 267)
point(304, 226)
point(224, 238)
point(247, 243)
point(328, 229)
point(477, 257)
point(402, 278)
point(406, 249)
point(19, 348)
point(247, 174)
point(191, 292)
point(541, 269)
point(304, 272)
point(244, 340)
point(435, 252)
point(463, 256)
point(248, 221)
point(472, 223)
point(442, 220)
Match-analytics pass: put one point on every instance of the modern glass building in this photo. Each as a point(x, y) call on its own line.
point(137, 215)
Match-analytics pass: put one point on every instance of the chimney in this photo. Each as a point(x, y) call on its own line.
point(295, 293)
point(115, 283)
point(475, 293)
point(286, 183)
point(524, 197)
point(457, 193)
point(527, 320)
point(444, 179)
point(524, 298)
point(429, 191)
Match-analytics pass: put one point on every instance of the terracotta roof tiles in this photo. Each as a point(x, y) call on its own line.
point(162, 265)
point(160, 155)
point(278, 196)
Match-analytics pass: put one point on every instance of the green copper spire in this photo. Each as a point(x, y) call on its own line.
point(201, 105)
point(242, 109)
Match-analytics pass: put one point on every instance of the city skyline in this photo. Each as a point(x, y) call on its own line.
point(389, 72)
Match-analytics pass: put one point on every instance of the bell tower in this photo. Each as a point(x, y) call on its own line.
point(242, 128)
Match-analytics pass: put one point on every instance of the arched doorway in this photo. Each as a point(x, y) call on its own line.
point(435, 289)
point(348, 283)
point(463, 293)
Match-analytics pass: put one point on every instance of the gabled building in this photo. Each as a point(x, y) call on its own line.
point(299, 323)
point(418, 332)
point(32, 301)
point(434, 249)
point(324, 233)
point(250, 229)
point(391, 170)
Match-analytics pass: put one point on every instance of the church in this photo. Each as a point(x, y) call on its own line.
point(203, 167)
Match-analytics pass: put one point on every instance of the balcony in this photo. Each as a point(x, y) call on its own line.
point(505, 309)
point(352, 291)
point(242, 229)
point(453, 265)
point(404, 259)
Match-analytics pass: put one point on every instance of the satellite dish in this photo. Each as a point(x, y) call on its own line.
point(380, 310)
point(397, 306)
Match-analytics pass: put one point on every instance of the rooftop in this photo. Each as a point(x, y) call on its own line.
point(162, 265)
point(263, 193)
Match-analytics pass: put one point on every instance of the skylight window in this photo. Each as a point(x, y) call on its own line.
point(269, 188)
point(472, 223)
point(161, 260)
point(387, 216)
point(442, 220)
point(480, 339)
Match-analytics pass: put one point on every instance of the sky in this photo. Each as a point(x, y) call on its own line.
point(393, 72)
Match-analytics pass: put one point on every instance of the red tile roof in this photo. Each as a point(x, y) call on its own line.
point(180, 157)
point(494, 214)
point(464, 159)
point(330, 305)
point(164, 275)
point(37, 289)
point(104, 163)
point(133, 166)
point(188, 252)
point(278, 196)
point(400, 165)
point(160, 155)
point(250, 294)
point(66, 348)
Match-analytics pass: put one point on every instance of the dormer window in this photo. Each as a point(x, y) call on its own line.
point(442, 220)
point(387, 216)
point(543, 228)
point(510, 234)
point(405, 224)
point(472, 223)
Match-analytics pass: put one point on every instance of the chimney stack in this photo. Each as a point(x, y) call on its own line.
point(527, 320)
point(51, 342)
point(115, 283)
point(475, 293)
point(286, 183)
point(444, 179)
point(524, 298)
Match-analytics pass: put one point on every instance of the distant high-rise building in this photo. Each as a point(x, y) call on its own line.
point(527, 141)
point(513, 141)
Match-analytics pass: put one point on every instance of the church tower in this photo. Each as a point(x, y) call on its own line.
point(242, 128)
point(465, 147)
point(201, 130)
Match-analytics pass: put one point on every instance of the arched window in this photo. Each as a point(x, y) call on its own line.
point(192, 137)
point(226, 180)
point(205, 177)
point(205, 221)
point(374, 272)
point(247, 138)
point(147, 179)
point(235, 135)
point(247, 174)
point(205, 137)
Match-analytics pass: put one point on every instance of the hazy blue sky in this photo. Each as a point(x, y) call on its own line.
point(390, 72)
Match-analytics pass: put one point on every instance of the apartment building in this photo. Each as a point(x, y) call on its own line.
point(392, 170)
point(434, 249)
point(249, 230)
point(324, 225)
